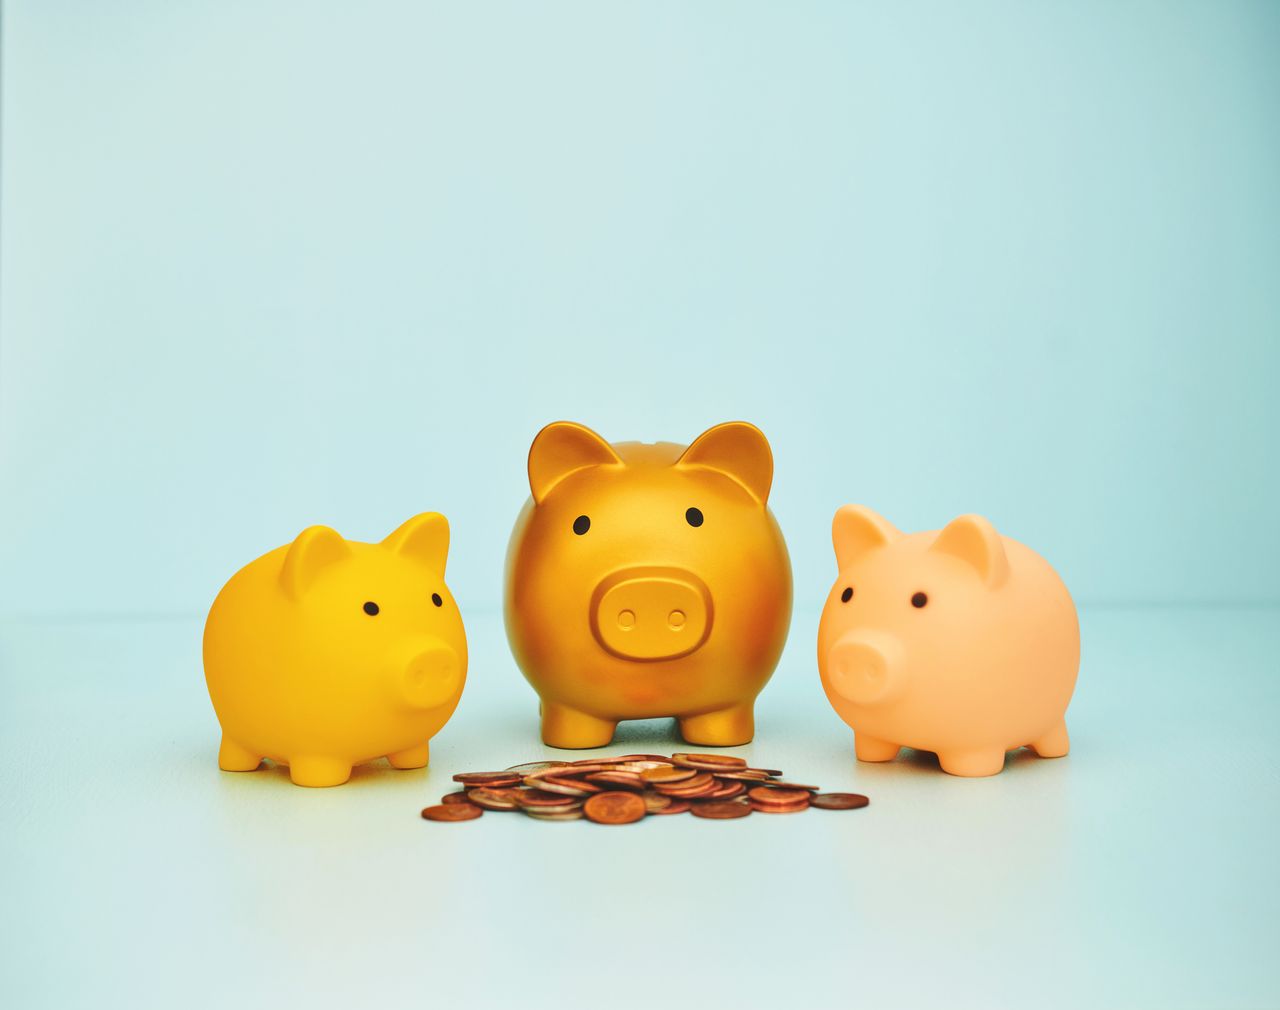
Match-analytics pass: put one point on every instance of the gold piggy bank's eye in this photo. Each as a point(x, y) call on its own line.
point(847, 595)
point(918, 600)
point(693, 517)
point(581, 525)
point(371, 609)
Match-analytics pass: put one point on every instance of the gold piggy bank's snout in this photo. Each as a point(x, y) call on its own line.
point(651, 613)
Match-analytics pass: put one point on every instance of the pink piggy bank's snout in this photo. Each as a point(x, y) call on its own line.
point(865, 667)
point(430, 676)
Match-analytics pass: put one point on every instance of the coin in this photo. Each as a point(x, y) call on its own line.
point(727, 790)
point(779, 784)
point(656, 803)
point(668, 773)
point(494, 799)
point(617, 780)
point(838, 801)
point(541, 798)
point(779, 808)
point(745, 775)
point(493, 779)
point(530, 767)
point(763, 794)
point(458, 797)
point(560, 815)
point(719, 810)
point(674, 807)
point(712, 761)
point(568, 786)
point(614, 808)
point(452, 812)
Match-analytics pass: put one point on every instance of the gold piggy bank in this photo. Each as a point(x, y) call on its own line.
point(648, 581)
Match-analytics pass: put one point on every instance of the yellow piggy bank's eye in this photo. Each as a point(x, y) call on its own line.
point(435, 598)
point(581, 525)
point(693, 517)
point(371, 609)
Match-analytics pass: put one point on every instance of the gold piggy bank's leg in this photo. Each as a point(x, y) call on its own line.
point(1053, 744)
point(414, 757)
point(869, 749)
point(728, 727)
point(234, 758)
point(319, 771)
point(567, 727)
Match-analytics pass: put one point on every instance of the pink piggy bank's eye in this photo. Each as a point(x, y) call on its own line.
point(919, 600)
point(371, 609)
point(435, 598)
point(847, 595)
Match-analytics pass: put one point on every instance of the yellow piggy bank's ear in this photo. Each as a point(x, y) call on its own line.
point(973, 539)
point(738, 450)
point(315, 549)
point(561, 449)
point(856, 529)
point(424, 538)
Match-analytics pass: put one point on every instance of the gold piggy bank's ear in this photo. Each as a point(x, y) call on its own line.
point(424, 538)
point(561, 449)
point(974, 540)
point(738, 450)
point(315, 549)
point(856, 529)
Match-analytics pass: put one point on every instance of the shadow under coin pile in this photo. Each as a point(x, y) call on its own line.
point(623, 790)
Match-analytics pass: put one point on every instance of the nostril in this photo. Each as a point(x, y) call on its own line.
point(626, 620)
point(676, 619)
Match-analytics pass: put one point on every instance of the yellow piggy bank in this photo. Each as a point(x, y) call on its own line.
point(647, 581)
point(327, 653)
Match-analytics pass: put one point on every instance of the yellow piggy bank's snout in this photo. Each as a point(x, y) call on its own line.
point(651, 613)
point(429, 675)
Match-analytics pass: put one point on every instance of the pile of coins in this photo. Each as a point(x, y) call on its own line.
point(623, 790)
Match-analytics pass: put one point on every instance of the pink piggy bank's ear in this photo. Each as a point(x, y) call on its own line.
point(974, 540)
point(856, 529)
point(738, 450)
point(423, 538)
point(561, 449)
point(315, 549)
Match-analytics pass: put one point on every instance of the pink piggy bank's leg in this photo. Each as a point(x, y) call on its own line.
point(573, 730)
point(319, 771)
point(1053, 744)
point(974, 763)
point(414, 757)
point(869, 749)
point(729, 727)
point(234, 758)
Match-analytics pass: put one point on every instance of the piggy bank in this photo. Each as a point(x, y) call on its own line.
point(959, 641)
point(648, 581)
point(327, 653)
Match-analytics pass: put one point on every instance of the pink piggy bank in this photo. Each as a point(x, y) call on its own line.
point(962, 642)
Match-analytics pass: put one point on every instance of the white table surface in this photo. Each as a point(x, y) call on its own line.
point(1142, 870)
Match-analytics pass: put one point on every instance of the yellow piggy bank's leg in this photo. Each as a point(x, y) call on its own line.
point(728, 727)
point(567, 727)
point(1053, 744)
point(414, 757)
point(318, 771)
point(869, 749)
point(234, 758)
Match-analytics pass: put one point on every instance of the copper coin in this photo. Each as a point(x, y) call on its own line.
point(541, 798)
point(745, 775)
point(494, 799)
point(650, 758)
point(491, 779)
point(727, 790)
point(720, 811)
point(574, 771)
point(556, 815)
point(532, 767)
point(641, 766)
point(668, 773)
point(458, 797)
point(838, 801)
point(618, 780)
point(452, 812)
point(559, 784)
point(674, 807)
point(763, 794)
point(614, 808)
point(779, 808)
point(771, 773)
point(779, 784)
point(718, 761)
point(701, 792)
point(656, 803)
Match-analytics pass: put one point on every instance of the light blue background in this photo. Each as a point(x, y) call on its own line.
point(266, 265)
